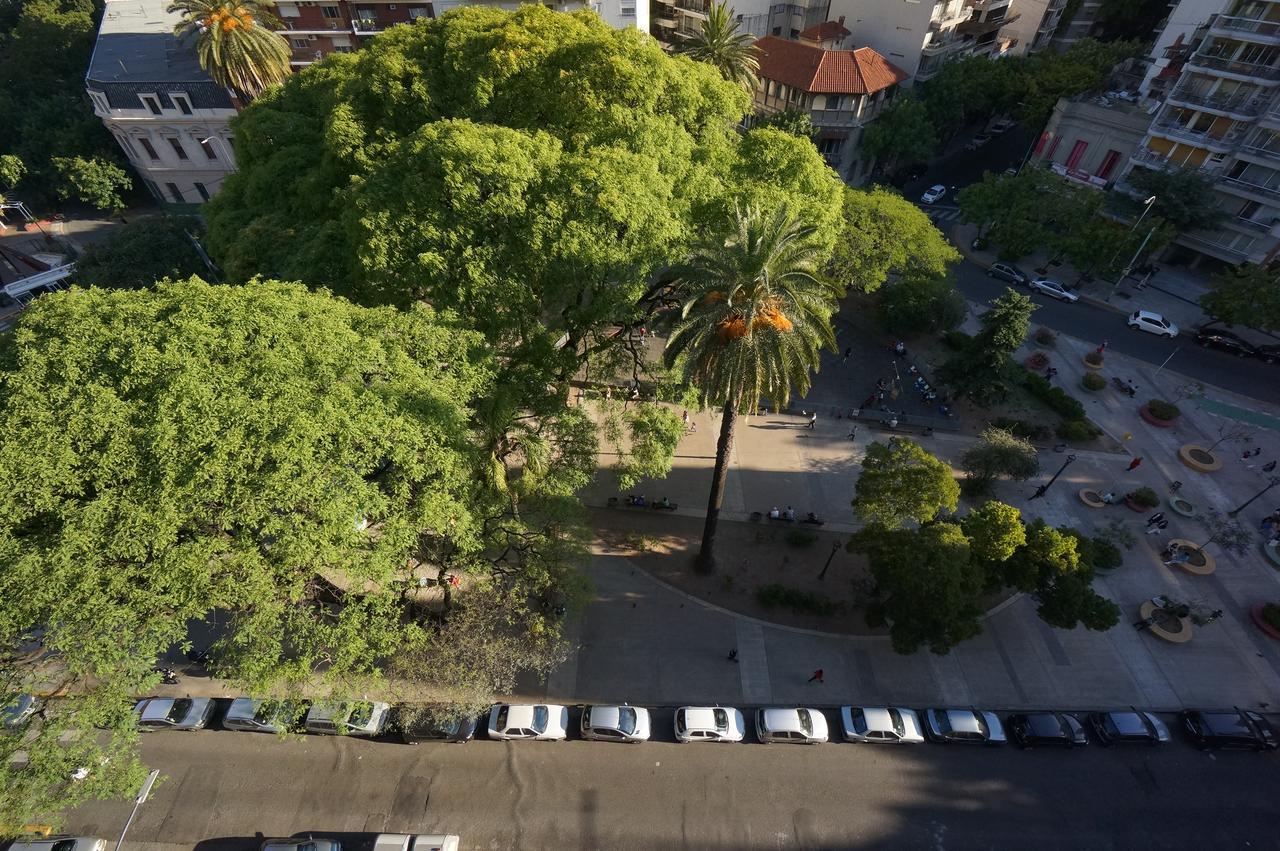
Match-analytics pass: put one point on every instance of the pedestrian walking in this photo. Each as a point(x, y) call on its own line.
point(1133, 465)
point(1269, 466)
point(813, 418)
point(733, 655)
point(817, 675)
point(853, 432)
point(848, 351)
point(1103, 348)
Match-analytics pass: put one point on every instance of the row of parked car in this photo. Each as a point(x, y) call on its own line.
point(1234, 728)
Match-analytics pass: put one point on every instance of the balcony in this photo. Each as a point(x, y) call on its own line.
point(694, 6)
point(1250, 190)
point(1248, 226)
point(1241, 108)
point(1272, 154)
point(987, 5)
point(1254, 71)
point(1247, 29)
point(834, 118)
point(1208, 246)
point(367, 26)
point(980, 28)
point(1172, 130)
point(1150, 159)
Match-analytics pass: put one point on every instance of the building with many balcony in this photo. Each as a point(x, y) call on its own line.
point(841, 90)
point(1034, 26)
point(167, 114)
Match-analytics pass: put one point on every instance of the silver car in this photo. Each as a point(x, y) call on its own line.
point(880, 725)
point(615, 723)
point(709, 724)
point(261, 716)
point(60, 843)
point(173, 713)
point(1053, 289)
point(796, 726)
point(347, 718)
point(963, 726)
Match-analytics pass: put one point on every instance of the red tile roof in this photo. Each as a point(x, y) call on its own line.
point(812, 69)
point(825, 31)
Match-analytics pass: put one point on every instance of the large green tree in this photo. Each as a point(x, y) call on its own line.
point(983, 371)
point(998, 454)
point(754, 320)
point(1246, 295)
point(902, 134)
point(883, 234)
point(1049, 566)
point(902, 483)
point(142, 252)
point(1184, 197)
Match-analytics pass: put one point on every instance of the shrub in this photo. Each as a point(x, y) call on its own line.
point(1145, 497)
point(1054, 398)
point(1271, 614)
point(774, 595)
point(957, 340)
point(800, 538)
point(1093, 359)
point(1104, 555)
point(1162, 410)
point(1038, 361)
point(1045, 337)
point(1093, 381)
point(1078, 430)
point(1022, 428)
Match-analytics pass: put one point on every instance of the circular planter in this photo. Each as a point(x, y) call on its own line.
point(1152, 419)
point(1088, 389)
point(1255, 612)
point(1171, 629)
point(1272, 549)
point(1198, 458)
point(1091, 498)
point(1182, 506)
point(1091, 366)
point(1037, 362)
point(1201, 563)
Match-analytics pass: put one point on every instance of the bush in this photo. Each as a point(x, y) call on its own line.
point(1038, 361)
point(1078, 430)
point(1093, 359)
point(957, 340)
point(921, 306)
point(1145, 497)
point(1162, 410)
point(1093, 381)
point(1271, 614)
point(1104, 555)
point(803, 602)
point(800, 538)
point(1054, 398)
point(1022, 428)
point(1045, 337)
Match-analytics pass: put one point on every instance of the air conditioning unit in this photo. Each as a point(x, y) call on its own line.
point(311, 38)
point(333, 25)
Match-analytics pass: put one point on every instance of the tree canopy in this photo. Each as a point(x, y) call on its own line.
point(1246, 295)
point(902, 134)
point(983, 371)
point(1000, 453)
point(1184, 197)
point(900, 483)
point(142, 252)
point(884, 234)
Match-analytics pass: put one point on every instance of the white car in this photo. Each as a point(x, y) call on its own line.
point(615, 723)
point(933, 194)
point(173, 713)
point(1054, 289)
point(260, 716)
point(347, 718)
point(60, 843)
point(1152, 323)
point(880, 725)
point(796, 726)
point(543, 722)
point(709, 724)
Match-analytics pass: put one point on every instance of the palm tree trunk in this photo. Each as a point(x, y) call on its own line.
point(706, 556)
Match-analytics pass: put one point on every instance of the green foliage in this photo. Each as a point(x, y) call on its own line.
point(1228, 533)
point(995, 532)
point(999, 454)
point(142, 252)
point(236, 42)
point(1247, 295)
point(1024, 212)
point(1162, 410)
point(1094, 358)
point(984, 371)
point(793, 121)
point(884, 235)
point(900, 483)
point(12, 170)
point(1144, 496)
point(1054, 398)
point(797, 600)
point(1045, 336)
point(1184, 197)
point(1050, 566)
point(902, 134)
point(921, 305)
point(1022, 428)
point(1093, 381)
point(957, 341)
point(1098, 553)
point(653, 433)
point(1080, 430)
point(95, 181)
point(721, 43)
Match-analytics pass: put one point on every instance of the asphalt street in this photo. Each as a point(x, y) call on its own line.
point(224, 791)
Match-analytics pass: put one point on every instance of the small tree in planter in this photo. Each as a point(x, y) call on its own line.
point(1045, 337)
point(1037, 362)
point(1232, 432)
point(1093, 360)
point(1143, 498)
point(1162, 410)
point(1228, 533)
point(1093, 382)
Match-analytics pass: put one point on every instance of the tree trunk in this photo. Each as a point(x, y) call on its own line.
point(706, 556)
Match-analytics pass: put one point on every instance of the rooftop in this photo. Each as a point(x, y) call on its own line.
point(136, 44)
point(826, 31)
point(816, 70)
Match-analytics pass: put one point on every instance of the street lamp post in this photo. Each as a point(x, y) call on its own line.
point(143, 794)
point(1043, 489)
point(835, 546)
point(1275, 480)
point(1147, 205)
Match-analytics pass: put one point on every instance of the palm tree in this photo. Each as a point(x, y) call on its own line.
point(753, 322)
point(237, 44)
point(719, 43)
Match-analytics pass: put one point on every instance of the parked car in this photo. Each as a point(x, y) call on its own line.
point(1237, 729)
point(1113, 728)
point(709, 724)
point(261, 716)
point(964, 726)
point(404, 842)
point(414, 724)
point(173, 713)
point(1057, 729)
point(18, 711)
point(1270, 354)
point(1000, 125)
point(1152, 323)
point(615, 723)
point(978, 141)
point(1008, 272)
point(543, 722)
point(60, 843)
point(1217, 338)
point(880, 724)
point(794, 726)
point(301, 843)
point(347, 718)
point(1053, 289)
point(933, 194)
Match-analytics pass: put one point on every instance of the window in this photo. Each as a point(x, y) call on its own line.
point(204, 193)
point(1247, 210)
point(329, 11)
point(181, 101)
point(99, 101)
point(419, 12)
point(127, 145)
point(177, 148)
point(174, 192)
point(1108, 163)
point(155, 190)
point(299, 43)
point(628, 11)
point(147, 146)
point(151, 102)
point(343, 48)
point(829, 147)
point(1077, 152)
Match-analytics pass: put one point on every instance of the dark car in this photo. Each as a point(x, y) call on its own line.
point(1008, 272)
point(1270, 354)
point(1128, 727)
point(1215, 338)
point(413, 724)
point(1236, 728)
point(1056, 729)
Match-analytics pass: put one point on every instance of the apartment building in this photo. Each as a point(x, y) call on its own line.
point(1034, 26)
point(316, 28)
point(842, 91)
point(1217, 84)
point(1091, 138)
point(169, 117)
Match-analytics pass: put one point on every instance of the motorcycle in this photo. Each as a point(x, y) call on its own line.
point(637, 500)
point(665, 505)
point(168, 676)
point(1126, 387)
